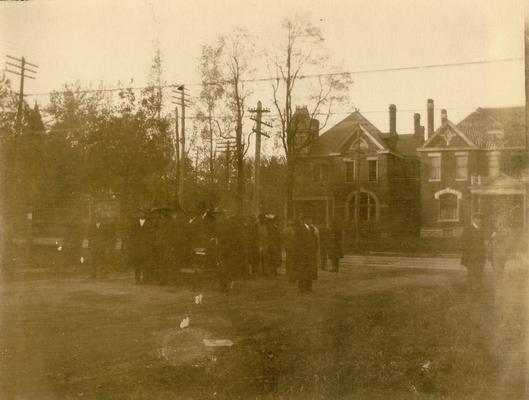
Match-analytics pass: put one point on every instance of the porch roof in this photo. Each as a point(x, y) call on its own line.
point(501, 185)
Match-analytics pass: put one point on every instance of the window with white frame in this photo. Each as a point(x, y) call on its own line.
point(461, 167)
point(350, 171)
point(367, 207)
point(435, 168)
point(320, 172)
point(448, 207)
point(372, 170)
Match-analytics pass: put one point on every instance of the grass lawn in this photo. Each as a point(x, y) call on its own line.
point(363, 334)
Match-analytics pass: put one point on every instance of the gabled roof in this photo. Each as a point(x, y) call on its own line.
point(333, 140)
point(452, 127)
point(481, 125)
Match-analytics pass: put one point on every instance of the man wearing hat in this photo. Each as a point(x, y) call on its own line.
point(306, 248)
point(141, 235)
point(474, 250)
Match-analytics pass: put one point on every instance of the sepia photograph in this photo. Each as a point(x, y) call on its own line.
point(264, 200)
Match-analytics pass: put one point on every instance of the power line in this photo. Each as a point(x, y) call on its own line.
point(18, 66)
point(307, 76)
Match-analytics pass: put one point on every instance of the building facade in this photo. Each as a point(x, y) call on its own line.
point(364, 178)
point(475, 166)
point(389, 185)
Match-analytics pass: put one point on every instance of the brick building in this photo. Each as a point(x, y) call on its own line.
point(359, 175)
point(390, 185)
point(474, 166)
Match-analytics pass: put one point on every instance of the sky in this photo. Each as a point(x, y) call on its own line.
point(111, 41)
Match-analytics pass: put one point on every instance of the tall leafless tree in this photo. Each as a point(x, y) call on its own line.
point(226, 66)
point(301, 73)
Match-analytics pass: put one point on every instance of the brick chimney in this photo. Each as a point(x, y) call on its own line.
point(444, 116)
point(416, 123)
point(430, 109)
point(418, 130)
point(392, 120)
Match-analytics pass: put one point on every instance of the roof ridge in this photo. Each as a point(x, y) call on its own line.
point(500, 108)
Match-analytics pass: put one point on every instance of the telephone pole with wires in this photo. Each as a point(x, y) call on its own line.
point(227, 146)
point(257, 160)
point(19, 66)
point(180, 99)
point(177, 150)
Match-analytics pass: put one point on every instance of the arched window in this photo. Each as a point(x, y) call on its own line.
point(367, 207)
point(448, 207)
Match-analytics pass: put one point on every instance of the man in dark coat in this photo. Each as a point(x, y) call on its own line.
point(323, 245)
point(163, 246)
point(474, 250)
point(102, 243)
point(141, 241)
point(289, 245)
point(178, 242)
point(306, 249)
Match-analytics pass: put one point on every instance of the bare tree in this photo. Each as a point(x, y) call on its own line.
point(229, 64)
point(302, 74)
point(211, 108)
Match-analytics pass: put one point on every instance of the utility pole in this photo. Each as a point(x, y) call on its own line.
point(227, 146)
point(257, 160)
point(211, 161)
point(183, 102)
point(177, 152)
point(21, 70)
point(19, 67)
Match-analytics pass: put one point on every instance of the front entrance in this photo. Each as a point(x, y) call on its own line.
point(362, 215)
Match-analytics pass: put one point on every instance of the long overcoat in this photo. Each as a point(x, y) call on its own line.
point(306, 249)
point(141, 241)
point(474, 250)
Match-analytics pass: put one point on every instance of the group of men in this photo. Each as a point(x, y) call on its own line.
point(160, 242)
point(163, 241)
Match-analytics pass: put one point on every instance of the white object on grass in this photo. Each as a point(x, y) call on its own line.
point(184, 323)
point(59, 248)
point(82, 260)
point(218, 342)
point(198, 299)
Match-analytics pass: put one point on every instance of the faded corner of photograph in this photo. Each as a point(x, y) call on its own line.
point(286, 200)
